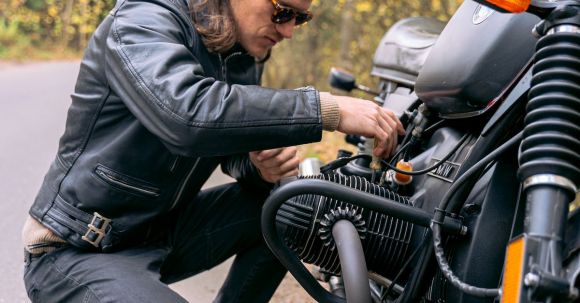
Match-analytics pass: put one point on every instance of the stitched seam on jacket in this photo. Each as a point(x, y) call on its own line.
point(117, 7)
point(186, 17)
point(60, 161)
point(85, 141)
point(151, 97)
point(90, 129)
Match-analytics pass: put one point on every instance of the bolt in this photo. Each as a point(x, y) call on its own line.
point(464, 230)
point(531, 279)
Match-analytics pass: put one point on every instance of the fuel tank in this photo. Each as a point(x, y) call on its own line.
point(477, 56)
point(404, 48)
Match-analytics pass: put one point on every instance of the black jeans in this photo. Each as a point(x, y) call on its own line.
point(219, 223)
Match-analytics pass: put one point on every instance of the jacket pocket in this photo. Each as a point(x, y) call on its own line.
point(126, 183)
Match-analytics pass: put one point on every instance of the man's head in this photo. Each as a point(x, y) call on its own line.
point(257, 25)
point(261, 24)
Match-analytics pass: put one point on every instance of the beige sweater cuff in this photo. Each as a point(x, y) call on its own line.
point(36, 237)
point(329, 112)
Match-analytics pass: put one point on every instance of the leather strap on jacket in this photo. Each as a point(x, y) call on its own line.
point(93, 229)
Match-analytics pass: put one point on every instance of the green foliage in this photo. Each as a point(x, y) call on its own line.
point(343, 33)
point(11, 42)
point(35, 5)
point(30, 28)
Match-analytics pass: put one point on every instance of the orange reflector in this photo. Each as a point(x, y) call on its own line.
point(402, 178)
point(512, 6)
point(512, 279)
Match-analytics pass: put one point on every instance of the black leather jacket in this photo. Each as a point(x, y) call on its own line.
point(152, 115)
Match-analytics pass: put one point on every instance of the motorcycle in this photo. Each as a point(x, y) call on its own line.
point(477, 203)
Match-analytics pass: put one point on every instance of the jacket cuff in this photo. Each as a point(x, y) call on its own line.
point(329, 112)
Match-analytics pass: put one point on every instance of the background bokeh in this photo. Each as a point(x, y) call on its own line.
point(344, 33)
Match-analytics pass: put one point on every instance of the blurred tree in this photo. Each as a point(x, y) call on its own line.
point(344, 33)
point(53, 25)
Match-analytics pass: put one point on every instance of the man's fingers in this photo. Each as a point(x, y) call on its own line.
point(275, 164)
point(280, 158)
point(290, 173)
point(399, 126)
point(289, 165)
point(267, 154)
point(394, 127)
point(280, 168)
point(385, 147)
point(381, 142)
point(394, 122)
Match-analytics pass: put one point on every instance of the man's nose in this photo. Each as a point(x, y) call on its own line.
point(286, 29)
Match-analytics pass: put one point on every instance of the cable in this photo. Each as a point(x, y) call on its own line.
point(440, 215)
point(413, 140)
point(403, 148)
point(426, 170)
point(400, 273)
point(340, 162)
point(433, 126)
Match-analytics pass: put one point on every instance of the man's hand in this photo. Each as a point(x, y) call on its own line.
point(365, 118)
point(275, 164)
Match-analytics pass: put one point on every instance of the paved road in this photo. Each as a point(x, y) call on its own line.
point(34, 99)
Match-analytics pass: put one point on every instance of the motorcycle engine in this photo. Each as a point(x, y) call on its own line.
point(306, 219)
point(304, 222)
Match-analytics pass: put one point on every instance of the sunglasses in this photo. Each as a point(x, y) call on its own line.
point(283, 14)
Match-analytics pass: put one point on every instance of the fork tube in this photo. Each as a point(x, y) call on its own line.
point(549, 158)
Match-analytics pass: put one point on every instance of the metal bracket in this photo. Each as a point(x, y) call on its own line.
point(97, 229)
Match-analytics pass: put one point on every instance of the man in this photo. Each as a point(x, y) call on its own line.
point(167, 91)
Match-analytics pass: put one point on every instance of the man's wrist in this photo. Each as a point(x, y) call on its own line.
point(329, 112)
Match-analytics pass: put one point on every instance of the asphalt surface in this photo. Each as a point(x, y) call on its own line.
point(34, 99)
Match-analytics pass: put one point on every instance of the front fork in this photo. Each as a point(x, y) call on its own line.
point(549, 162)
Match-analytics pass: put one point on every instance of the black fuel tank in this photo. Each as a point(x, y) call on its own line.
point(478, 54)
point(404, 48)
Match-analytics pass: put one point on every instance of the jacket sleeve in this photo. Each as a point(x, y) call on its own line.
point(243, 170)
point(151, 66)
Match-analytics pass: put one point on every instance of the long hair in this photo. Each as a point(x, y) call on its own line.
point(215, 22)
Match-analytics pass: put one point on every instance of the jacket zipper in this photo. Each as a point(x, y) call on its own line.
point(174, 164)
point(183, 184)
point(125, 184)
point(224, 63)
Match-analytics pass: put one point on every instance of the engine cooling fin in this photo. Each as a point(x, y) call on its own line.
point(303, 223)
